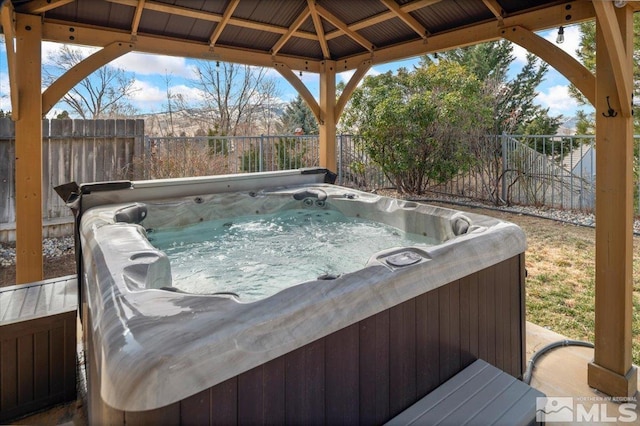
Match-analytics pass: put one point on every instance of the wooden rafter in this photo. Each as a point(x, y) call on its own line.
point(419, 4)
point(223, 23)
point(136, 18)
point(344, 28)
point(405, 17)
point(213, 17)
point(618, 56)
point(8, 20)
point(291, 31)
point(495, 8)
point(41, 6)
point(317, 23)
point(485, 31)
point(381, 17)
point(92, 36)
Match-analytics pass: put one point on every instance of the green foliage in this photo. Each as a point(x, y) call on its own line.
point(216, 145)
point(64, 115)
point(585, 123)
point(4, 114)
point(298, 114)
point(418, 125)
point(541, 126)
point(512, 100)
point(250, 160)
point(290, 153)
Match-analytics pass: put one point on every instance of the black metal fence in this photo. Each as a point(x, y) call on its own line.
point(542, 170)
point(168, 157)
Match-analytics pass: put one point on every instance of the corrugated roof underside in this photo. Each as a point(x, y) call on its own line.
point(447, 15)
point(295, 46)
point(344, 46)
point(277, 16)
point(389, 32)
point(247, 38)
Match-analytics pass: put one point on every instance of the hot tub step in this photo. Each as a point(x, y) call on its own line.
point(481, 394)
point(37, 345)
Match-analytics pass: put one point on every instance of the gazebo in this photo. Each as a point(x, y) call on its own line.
point(325, 37)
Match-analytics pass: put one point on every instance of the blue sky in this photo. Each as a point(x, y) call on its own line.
point(151, 71)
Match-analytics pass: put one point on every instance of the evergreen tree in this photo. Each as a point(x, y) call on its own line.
point(297, 114)
point(586, 53)
point(512, 100)
point(585, 123)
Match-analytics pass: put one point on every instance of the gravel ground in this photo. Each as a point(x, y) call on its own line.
point(57, 247)
point(51, 248)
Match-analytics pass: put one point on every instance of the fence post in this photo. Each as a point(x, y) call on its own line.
point(146, 157)
point(340, 159)
point(503, 141)
point(260, 165)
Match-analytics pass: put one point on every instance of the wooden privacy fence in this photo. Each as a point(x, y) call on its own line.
point(73, 150)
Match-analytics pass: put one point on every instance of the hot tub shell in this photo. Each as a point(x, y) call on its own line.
point(359, 348)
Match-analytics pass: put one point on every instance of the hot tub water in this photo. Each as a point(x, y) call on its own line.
point(256, 256)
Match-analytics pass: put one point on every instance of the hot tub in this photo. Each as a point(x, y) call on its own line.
point(358, 346)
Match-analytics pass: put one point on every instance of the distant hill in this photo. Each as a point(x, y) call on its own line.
point(197, 122)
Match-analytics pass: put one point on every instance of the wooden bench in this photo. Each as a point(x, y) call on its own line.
point(480, 394)
point(38, 345)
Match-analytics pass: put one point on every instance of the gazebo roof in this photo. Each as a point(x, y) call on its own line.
point(300, 33)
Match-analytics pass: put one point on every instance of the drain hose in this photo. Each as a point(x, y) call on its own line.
point(559, 344)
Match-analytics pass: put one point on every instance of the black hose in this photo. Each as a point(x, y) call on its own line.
point(561, 343)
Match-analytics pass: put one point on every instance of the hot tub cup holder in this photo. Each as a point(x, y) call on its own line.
point(401, 257)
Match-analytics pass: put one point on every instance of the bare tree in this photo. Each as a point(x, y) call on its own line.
point(104, 94)
point(233, 94)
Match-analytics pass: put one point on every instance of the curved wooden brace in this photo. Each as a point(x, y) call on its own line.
point(286, 72)
point(573, 70)
point(361, 71)
point(65, 82)
point(619, 58)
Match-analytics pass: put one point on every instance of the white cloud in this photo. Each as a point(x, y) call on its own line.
point(50, 50)
point(346, 76)
point(146, 64)
point(5, 101)
point(138, 63)
point(557, 99)
point(150, 97)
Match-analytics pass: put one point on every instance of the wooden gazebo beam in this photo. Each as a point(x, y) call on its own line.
point(28, 149)
point(564, 63)
point(612, 371)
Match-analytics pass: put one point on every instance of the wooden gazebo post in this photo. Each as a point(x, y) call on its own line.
point(612, 371)
point(327, 116)
point(28, 149)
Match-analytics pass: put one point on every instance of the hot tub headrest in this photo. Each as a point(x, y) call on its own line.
point(460, 224)
point(310, 193)
point(135, 213)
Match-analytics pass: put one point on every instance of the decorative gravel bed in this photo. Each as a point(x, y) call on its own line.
point(51, 248)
